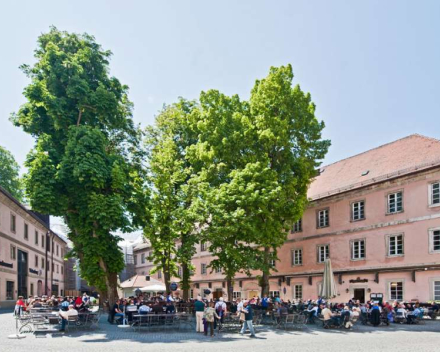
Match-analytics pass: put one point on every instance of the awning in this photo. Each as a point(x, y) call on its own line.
point(153, 288)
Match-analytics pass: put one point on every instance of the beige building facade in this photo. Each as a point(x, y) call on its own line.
point(31, 255)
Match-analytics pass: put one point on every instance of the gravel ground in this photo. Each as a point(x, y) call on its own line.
point(109, 338)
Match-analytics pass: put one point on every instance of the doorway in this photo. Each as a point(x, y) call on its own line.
point(217, 293)
point(359, 294)
point(22, 273)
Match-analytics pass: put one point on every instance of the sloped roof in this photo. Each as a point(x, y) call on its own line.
point(143, 245)
point(397, 158)
point(139, 281)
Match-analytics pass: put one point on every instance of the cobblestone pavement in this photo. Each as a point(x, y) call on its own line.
point(110, 338)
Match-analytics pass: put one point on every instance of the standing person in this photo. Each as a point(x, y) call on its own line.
point(265, 303)
point(248, 317)
point(199, 307)
point(220, 309)
point(209, 315)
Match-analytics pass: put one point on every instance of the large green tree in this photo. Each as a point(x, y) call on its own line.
point(221, 124)
point(259, 157)
point(174, 210)
point(87, 162)
point(10, 174)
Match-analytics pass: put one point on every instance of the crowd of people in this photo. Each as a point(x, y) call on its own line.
point(66, 306)
point(210, 314)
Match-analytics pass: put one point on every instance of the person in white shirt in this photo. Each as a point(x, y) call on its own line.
point(65, 316)
point(144, 309)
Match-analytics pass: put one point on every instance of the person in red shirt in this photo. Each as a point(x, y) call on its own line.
point(20, 306)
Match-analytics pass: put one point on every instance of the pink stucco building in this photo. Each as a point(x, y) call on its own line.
point(376, 215)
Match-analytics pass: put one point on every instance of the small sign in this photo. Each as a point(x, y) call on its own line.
point(33, 271)
point(7, 265)
point(173, 286)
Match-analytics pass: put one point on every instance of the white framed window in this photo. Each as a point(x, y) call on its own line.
point(395, 202)
point(191, 293)
point(26, 232)
point(203, 269)
point(322, 218)
point(434, 240)
point(42, 263)
point(358, 210)
point(217, 270)
point(135, 259)
point(236, 294)
point(357, 249)
point(436, 290)
point(203, 246)
point(434, 193)
point(297, 226)
point(395, 245)
point(143, 258)
point(323, 253)
point(396, 290)
point(273, 263)
point(273, 294)
point(297, 258)
point(298, 291)
point(37, 236)
point(36, 261)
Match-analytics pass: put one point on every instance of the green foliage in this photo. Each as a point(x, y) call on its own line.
point(86, 166)
point(9, 174)
point(174, 209)
point(258, 159)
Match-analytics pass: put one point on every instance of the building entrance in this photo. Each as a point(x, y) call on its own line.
point(22, 273)
point(359, 294)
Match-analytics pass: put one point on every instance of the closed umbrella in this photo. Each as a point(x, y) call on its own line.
point(328, 289)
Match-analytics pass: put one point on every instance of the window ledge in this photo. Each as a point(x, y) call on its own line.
point(358, 260)
point(395, 256)
point(358, 220)
point(397, 212)
point(434, 205)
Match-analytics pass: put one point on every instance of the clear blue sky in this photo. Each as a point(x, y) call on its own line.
point(372, 67)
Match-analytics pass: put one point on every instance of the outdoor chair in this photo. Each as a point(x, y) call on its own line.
point(72, 321)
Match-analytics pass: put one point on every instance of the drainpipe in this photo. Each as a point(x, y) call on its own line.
point(52, 265)
point(45, 264)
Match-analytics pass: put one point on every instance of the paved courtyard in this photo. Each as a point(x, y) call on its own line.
point(109, 338)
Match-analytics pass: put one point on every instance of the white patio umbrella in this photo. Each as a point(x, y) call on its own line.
point(328, 289)
point(153, 288)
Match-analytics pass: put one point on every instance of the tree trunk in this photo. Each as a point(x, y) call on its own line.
point(185, 282)
point(230, 288)
point(166, 274)
point(264, 282)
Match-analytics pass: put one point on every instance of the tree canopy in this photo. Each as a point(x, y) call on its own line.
point(10, 174)
point(87, 162)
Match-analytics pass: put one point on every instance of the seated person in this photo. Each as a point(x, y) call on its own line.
point(116, 312)
point(157, 308)
point(170, 309)
point(65, 316)
point(412, 316)
point(144, 309)
point(329, 316)
point(401, 314)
